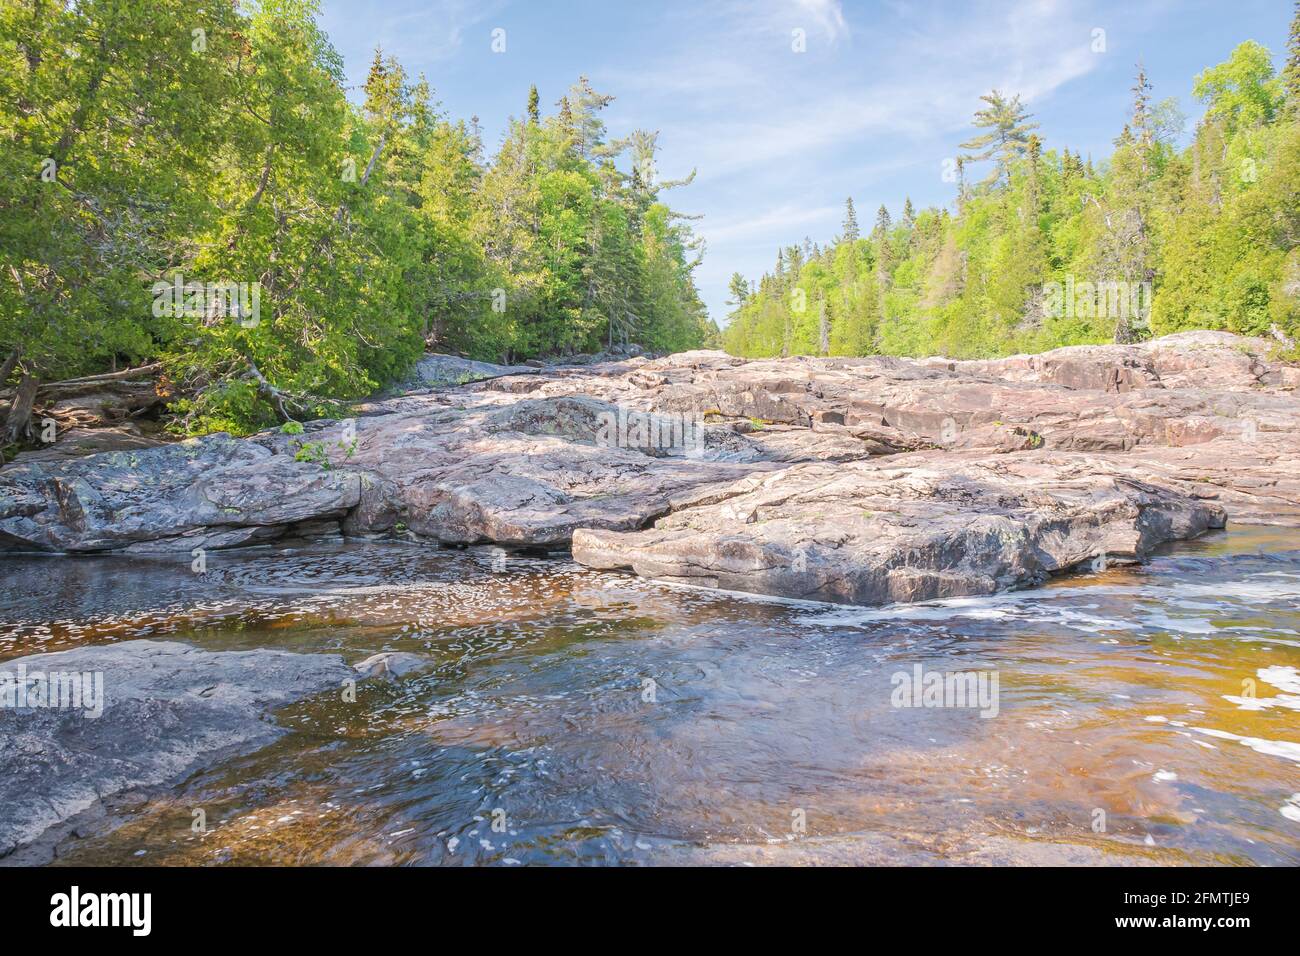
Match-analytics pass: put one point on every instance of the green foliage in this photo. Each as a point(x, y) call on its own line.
point(1205, 237)
point(155, 145)
point(320, 451)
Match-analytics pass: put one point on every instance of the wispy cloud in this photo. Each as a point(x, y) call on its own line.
point(765, 102)
point(784, 220)
point(829, 17)
point(415, 31)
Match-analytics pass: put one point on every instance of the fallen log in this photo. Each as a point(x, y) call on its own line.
point(74, 384)
point(128, 373)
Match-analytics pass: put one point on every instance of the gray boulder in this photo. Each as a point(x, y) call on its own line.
point(917, 528)
point(167, 709)
point(215, 491)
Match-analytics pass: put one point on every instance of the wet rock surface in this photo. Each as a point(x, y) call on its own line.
point(164, 708)
point(977, 475)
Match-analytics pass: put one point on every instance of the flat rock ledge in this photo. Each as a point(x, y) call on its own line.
point(885, 478)
point(864, 533)
point(167, 709)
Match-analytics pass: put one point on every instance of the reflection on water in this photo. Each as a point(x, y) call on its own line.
point(1145, 715)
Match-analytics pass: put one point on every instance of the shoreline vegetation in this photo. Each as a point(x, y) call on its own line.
point(1051, 248)
point(207, 202)
point(203, 193)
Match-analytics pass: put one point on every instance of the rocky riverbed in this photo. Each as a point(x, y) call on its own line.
point(862, 482)
point(859, 480)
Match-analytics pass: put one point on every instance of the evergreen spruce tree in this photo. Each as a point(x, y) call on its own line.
point(883, 224)
point(1291, 72)
point(850, 229)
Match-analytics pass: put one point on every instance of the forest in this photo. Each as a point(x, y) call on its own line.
point(1044, 247)
point(194, 188)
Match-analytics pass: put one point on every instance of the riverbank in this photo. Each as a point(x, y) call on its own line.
point(857, 480)
point(850, 482)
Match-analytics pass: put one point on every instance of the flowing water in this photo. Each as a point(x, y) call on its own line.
point(1143, 715)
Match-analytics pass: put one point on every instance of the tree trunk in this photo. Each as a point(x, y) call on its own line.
point(18, 423)
point(7, 368)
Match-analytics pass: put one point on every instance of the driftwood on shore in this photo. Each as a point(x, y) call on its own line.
point(110, 401)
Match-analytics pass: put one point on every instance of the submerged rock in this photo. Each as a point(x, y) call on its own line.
point(392, 664)
point(164, 709)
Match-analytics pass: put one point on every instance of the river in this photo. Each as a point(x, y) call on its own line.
point(1143, 715)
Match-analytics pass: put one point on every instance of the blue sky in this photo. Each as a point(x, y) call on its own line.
point(880, 98)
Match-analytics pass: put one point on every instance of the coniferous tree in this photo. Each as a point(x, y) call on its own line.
point(534, 113)
point(850, 230)
point(1006, 139)
point(1291, 72)
point(883, 223)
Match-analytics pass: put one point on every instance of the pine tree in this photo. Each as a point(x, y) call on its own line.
point(1291, 72)
point(584, 105)
point(739, 289)
point(534, 113)
point(850, 221)
point(1007, 122)
point(883, 223)
point(385, 90)
point(1141, 122)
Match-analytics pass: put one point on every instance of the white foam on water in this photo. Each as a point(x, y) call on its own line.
point(1184, 625)
point(1274, 748)
point(1291, 809)
point(750, 596)
point(1250, 590)
point(1036, 604)
point(1093, 624)
point(1285, 679)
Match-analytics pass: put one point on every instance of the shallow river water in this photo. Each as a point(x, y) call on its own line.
point(1144, 715)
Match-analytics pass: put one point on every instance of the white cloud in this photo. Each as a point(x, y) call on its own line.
point(781, 222)
point(829, 16)
point(415, 31)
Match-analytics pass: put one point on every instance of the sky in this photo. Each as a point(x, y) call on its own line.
point(879, 96)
